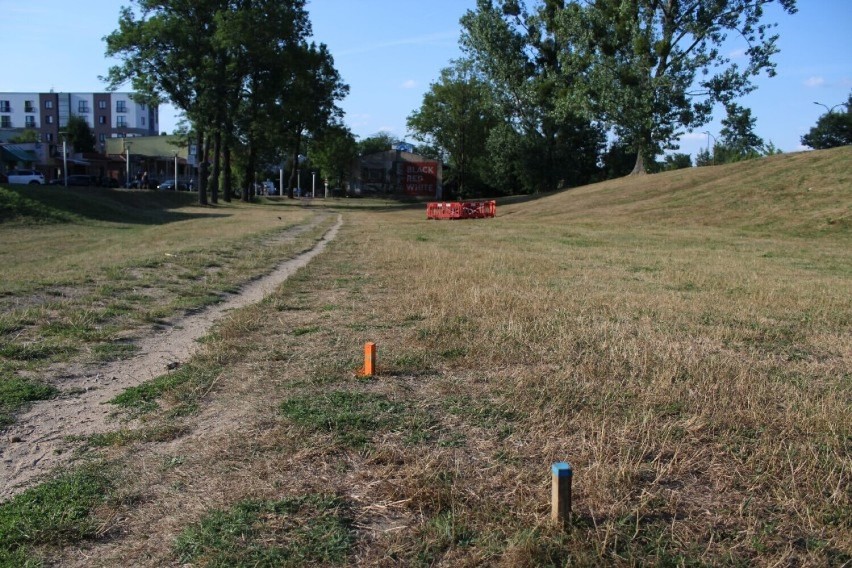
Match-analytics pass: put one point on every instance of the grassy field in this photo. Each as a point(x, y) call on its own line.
point(84, 270)
point(683, 340)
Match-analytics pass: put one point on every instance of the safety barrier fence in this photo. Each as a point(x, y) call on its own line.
point(461, 210)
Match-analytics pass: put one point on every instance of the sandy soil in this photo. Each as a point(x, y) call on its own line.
point(39, 441)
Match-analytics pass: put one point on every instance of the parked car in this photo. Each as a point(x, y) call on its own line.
point(109, 182)
point(77, 180)
point(169, 185)
point(3, 178)
point(30, 177)
point(136, 184)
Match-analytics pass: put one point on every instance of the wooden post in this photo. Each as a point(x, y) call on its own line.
point(560, 493)
point(369, 359)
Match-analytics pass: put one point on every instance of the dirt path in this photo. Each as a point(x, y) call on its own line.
point(37, 443)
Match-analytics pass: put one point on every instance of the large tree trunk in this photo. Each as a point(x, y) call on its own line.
point(226, 166)
point(294, 173)
point(639, 168)
point(249, 173)
point(217, 166)
point(202, 167)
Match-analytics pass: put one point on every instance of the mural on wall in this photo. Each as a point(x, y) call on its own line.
point(397, 172)
point(421, 178)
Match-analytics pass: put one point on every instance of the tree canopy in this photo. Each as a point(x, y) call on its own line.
point(79, 134)
point(456, 117)
point(648, 69)
point(241, 70)
point(833, 129)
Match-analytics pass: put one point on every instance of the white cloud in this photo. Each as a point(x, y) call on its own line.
point(410, 84)
point(737, 53)
point(815, 81)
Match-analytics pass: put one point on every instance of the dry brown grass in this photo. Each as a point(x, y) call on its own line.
point(690, 357)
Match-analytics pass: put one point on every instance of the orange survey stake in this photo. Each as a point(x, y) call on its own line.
point(369, 359)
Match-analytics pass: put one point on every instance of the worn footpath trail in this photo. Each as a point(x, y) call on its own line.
point(40, 440)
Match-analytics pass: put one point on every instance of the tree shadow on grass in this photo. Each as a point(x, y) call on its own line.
point(41, 205)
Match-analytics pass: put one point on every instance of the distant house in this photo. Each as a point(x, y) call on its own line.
point(396, 172)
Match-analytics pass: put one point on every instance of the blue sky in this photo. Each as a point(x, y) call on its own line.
point(390, 51)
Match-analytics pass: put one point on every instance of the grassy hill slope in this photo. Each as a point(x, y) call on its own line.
point(52, 204)
point(803, 194)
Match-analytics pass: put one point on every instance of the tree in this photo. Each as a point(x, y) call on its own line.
point(456, 117)
point(518, 54)
point(332, 151)
point(676, 161)
point(378, 142)
point(648, 68)
point(833, 129)
point(27, 136)
point(738, 141)
point(166, 54)
point(79, 135)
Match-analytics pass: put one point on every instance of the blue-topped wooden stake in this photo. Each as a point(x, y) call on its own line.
point(560, 494)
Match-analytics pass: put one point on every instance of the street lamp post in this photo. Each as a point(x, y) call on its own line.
point(830, 110)
point(127, 158)
point(65, 161)
point(313, 183)
point(176, 182)
point(707, 132)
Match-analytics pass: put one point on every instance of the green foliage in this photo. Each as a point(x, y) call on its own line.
point(676, 161)
point(79, 134)
point(332, 151)
point(455, 118)
point(833, 129)
point(311, 530)
point(738, 137)
point(235, 68)
point(647, 69)
point(379, 142)
point(59, 511)
point(545, 142)
point(28, 136)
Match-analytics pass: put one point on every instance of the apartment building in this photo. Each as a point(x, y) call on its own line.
point(109, 115)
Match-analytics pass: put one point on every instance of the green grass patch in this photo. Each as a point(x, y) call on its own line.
point(302, 531)
point(16, 393)
point(60, 511)
point(355, 417)
point(184, 386)
point(32, 351)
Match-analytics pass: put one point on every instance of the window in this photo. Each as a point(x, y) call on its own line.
point(29, 121)
point(50, 137)
point(28, 106)
point(101, 137)
point(102, 105)
point(48, 104)
point(5, 122)
point(5, 107)
point(49, 119)
point(102, 119)
point(120, 106)
point(82, 106)
point(121, 121)
point(143, 121)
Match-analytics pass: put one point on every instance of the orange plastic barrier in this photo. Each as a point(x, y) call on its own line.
point(461, 210)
